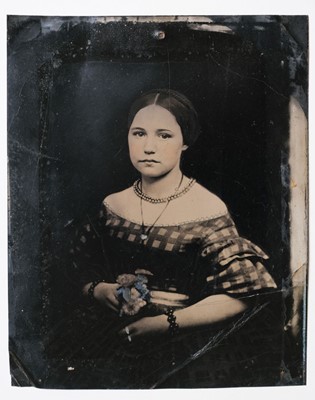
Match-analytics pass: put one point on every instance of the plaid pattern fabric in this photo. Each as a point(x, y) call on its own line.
point(234, 263)
point(167, 238)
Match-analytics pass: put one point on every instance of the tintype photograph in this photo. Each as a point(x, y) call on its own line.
point(158, 201)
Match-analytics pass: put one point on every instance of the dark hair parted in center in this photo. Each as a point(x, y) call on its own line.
point(177, 104)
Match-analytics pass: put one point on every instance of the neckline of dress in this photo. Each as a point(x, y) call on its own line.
point(202, 219)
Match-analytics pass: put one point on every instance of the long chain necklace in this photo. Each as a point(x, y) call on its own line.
point(146, 231)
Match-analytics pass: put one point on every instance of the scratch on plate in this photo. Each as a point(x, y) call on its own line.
point(247, 77)
point(35, 153)
point(213, 342)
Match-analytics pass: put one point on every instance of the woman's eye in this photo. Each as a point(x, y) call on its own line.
point(138, 133)
point(165, 135)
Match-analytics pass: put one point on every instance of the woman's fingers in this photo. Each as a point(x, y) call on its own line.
point(127, 334)
point(106, 293)
point(113, 303)
point(112, 306)
point(114, 300)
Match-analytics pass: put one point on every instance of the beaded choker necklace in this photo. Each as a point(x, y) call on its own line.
point(146, 231)
point(138, 191)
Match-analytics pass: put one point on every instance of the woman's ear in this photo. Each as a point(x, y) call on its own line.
point(185, 147)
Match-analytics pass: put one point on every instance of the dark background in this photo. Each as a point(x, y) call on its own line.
point(70, 85)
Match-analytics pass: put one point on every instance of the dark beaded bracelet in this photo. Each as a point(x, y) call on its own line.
point(92, 287)
point(171, 319)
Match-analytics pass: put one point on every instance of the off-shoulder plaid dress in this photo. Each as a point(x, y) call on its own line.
point(197, 258)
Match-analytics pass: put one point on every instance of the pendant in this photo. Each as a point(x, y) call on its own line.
point(143, 236)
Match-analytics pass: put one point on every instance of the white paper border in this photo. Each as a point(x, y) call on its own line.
point(142, 7)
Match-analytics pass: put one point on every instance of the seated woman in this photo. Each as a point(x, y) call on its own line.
point(169, 279)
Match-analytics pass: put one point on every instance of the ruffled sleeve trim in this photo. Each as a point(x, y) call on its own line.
point(232, 249)
point(235, 265)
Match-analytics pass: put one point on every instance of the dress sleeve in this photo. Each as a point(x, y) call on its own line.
point(234, 265)
point(87, 251)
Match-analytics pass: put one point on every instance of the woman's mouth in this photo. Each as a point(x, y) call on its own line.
point(149, 161)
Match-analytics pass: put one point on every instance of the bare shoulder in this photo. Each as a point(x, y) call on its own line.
point(119, 201)
point(206, 203)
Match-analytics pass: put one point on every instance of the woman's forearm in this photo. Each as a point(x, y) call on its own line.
point(210, 311)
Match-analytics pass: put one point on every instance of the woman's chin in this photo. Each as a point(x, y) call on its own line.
point(150, 175)
point(151, 172)
point(154, 171)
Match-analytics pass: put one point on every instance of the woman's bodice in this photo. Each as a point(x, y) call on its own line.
point(196, 258)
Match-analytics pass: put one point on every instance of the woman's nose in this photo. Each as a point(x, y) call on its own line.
point(149, 146)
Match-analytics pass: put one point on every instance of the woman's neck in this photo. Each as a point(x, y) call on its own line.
point(162, 186)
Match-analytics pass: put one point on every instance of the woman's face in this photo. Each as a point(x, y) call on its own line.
point(155, 141)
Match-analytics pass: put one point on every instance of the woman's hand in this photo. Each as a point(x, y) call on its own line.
point(146, 326)
point(106, 294)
